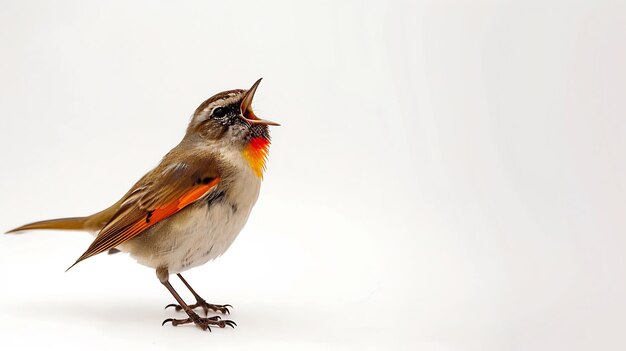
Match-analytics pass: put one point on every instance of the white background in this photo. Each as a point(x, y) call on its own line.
point(449, 174)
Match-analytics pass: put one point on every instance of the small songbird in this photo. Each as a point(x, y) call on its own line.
point(189, 209)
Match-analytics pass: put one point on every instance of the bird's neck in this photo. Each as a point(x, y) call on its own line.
point(255, 153)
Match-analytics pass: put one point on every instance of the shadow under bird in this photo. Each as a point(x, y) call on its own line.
point(191, 207)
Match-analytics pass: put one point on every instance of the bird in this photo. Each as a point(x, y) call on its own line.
point(189, 209)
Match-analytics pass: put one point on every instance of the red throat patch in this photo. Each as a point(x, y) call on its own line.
point(256, 154)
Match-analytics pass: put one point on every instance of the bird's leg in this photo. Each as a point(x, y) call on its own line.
point(200, 302)
point(204, 323)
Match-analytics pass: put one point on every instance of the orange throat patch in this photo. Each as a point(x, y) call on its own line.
point(256, 154)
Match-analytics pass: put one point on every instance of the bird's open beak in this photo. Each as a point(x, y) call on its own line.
point(246, 107)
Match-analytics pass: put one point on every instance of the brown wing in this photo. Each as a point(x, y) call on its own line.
point(161, 193)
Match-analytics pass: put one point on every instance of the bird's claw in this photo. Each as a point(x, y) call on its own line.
point(177, 307)
point(206, 307)
point(204, 323)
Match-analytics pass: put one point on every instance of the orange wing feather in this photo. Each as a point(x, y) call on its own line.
point(112, 236)
point(165, 211)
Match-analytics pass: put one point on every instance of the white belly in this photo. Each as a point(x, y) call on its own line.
point(207, 234)
point(198, 233)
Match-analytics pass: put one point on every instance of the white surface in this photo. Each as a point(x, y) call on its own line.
point(449, 174)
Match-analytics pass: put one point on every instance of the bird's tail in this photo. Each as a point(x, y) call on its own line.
point(73, 223)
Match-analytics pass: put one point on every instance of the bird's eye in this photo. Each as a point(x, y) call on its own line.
point(219, 112)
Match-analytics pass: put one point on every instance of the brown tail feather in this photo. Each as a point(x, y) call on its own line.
point(74, 223)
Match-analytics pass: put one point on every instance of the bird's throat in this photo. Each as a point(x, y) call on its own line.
point(255, 153)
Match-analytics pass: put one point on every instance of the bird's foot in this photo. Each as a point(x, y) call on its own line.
point(204, 323)
point(206, 307)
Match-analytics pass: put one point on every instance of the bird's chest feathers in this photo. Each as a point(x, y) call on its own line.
point(210, 226)
point(255, 154)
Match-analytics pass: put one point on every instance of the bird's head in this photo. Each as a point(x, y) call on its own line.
point(226, 120)
point(227, 117)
